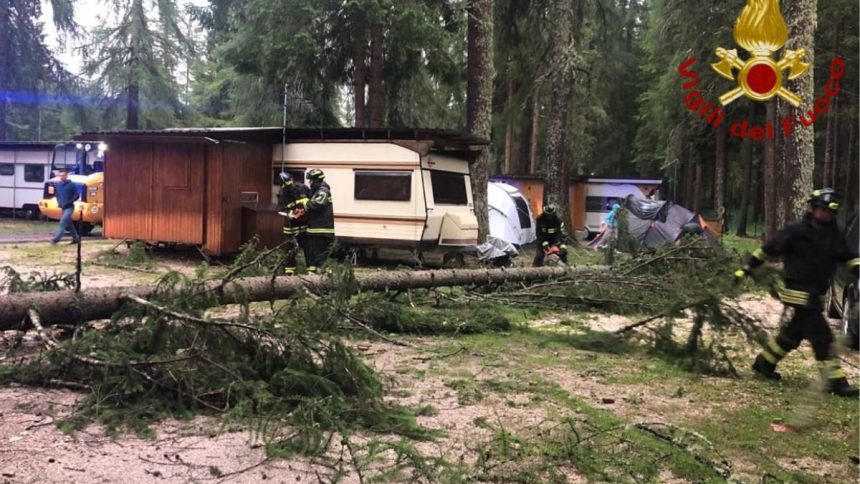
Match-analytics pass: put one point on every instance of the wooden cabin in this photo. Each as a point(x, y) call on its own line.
point(214, 188)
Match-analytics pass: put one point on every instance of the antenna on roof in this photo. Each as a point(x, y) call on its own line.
point(284, 131)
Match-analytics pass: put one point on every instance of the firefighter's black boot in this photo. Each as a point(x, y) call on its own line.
point(765, 369)
point(840, 387)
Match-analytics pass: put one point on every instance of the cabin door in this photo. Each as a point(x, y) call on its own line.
point(178, 193)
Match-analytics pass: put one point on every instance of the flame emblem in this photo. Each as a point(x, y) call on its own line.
point(760, 30)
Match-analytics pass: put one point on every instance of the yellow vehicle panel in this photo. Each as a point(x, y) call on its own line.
point(92, 210)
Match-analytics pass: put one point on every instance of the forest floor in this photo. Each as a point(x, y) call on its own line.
point(555, 399)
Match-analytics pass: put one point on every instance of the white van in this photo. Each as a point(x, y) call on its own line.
point(386, 195)
point(24, 167)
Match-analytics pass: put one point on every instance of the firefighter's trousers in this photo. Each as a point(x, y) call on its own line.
point(317, 250)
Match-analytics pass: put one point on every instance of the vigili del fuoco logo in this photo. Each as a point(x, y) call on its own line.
point(761, 31)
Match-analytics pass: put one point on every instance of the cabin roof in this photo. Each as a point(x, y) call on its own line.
point(617, 181)
point(510, 176)
point(28, 144)
point(583, 179)
point(440, 138)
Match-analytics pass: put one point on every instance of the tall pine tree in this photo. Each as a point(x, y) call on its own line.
point(134, 60)
point(27, 66)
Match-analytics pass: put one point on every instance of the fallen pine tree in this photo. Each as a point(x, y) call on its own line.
point(290, 374)
point(69, 307)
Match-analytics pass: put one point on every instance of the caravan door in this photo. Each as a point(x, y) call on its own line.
point(451, 217)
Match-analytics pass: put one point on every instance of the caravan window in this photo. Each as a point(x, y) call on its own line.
point(523, 212)
point(7, 169)
point(394, 186)
point(601, 204)
point(34, 173)
point(449, 188)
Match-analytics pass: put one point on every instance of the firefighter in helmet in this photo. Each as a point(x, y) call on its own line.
point(810, 249)
point(550, 232)
point(320, 215)
point(292, 199)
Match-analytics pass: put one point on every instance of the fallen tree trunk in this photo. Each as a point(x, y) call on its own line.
point(68, 307)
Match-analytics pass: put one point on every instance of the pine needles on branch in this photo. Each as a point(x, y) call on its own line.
point(13, 282)
point(287, 374)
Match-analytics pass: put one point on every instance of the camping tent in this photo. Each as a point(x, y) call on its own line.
point(654, 222)
point(510, 216)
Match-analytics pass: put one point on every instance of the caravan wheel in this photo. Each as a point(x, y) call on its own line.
point(418, 259)
point(453, 260)
point(355, 256)
point(30, 212)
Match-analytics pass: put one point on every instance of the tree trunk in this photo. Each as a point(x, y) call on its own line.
point(689, 176)
point(834, 156)
point(563, 78)
point(3, 134)
point(133, 106)
point(509, 130)
point(746, 184)
point(829, 134)
point(758, 193)
point(479, 102)
point(69, 307)
point(5, 67)
point(851, 188)
point(828, 172)
point(697, 188)
point(377, 69)
point(359, 78)
point(524, 147)
point(770, 181)
point(797, 161)
point(533, 134)
point(720, 170)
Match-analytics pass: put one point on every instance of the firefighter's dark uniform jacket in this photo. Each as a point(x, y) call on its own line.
point(320, 233)
point(811, 255)
point(291, 199)
point(549, 229)
point(320, 211)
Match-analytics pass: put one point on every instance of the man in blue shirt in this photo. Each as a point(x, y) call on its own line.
point(66, 193)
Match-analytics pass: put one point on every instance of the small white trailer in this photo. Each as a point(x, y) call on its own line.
point(24, 167)
point(603, 193)
point(388, 195)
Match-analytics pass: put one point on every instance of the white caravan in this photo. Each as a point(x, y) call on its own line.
point(386, 195)
point(601, 194)
point(24, 167)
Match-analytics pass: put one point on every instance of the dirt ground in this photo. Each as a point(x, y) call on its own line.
point(524, 383)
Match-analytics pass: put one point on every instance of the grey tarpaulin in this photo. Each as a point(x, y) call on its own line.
point(657, 222)
point(496, 251)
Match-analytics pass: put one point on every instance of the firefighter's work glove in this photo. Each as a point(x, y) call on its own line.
point(545, 244)
point(740, 275)
point(562, 247)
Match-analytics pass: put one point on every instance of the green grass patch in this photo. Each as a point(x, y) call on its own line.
point(741, 245)
point(9, 226)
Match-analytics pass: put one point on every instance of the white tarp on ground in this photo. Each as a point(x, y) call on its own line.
point(511, 219)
